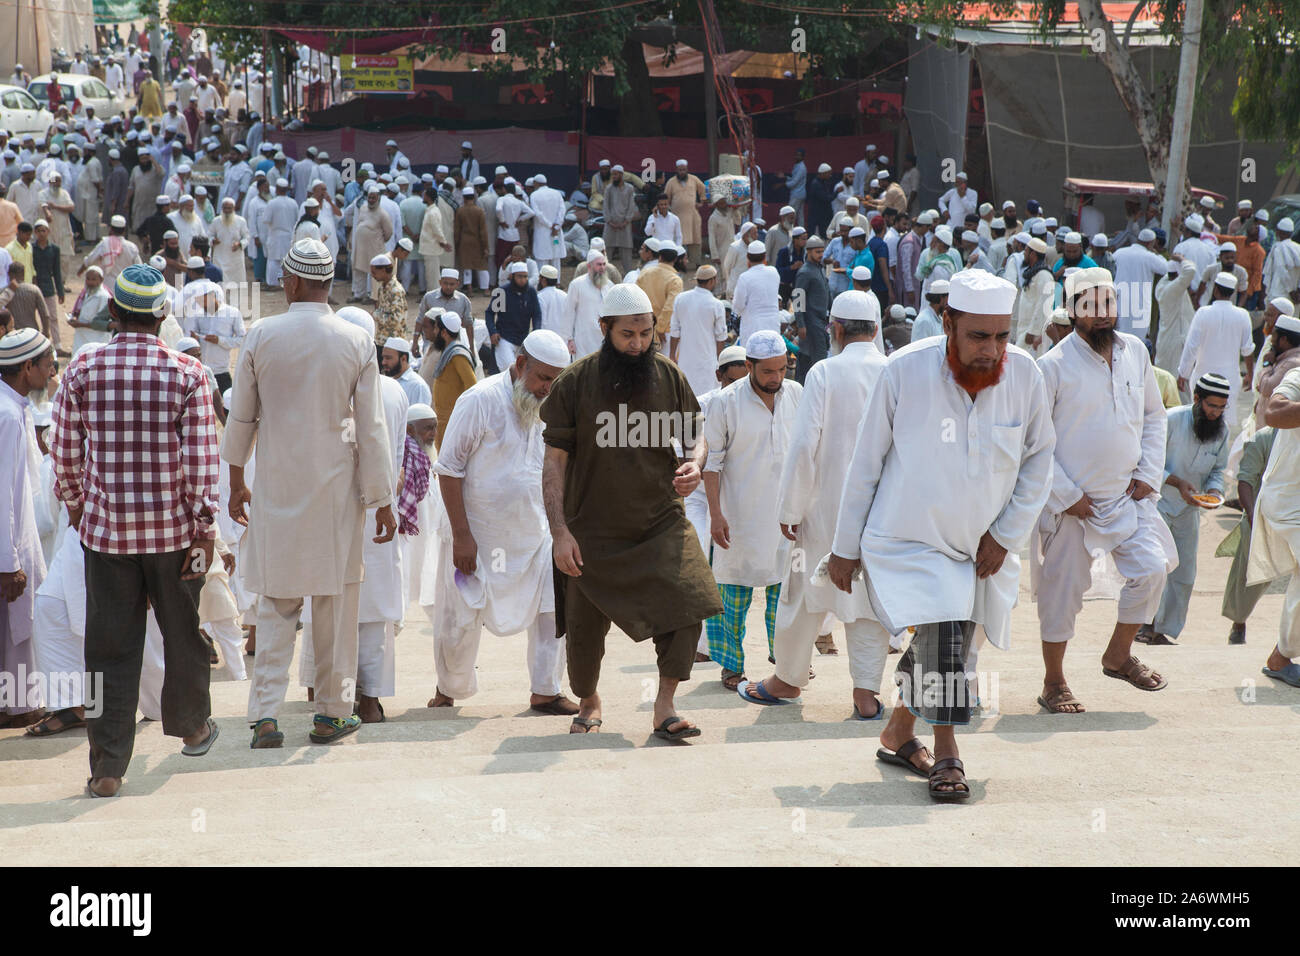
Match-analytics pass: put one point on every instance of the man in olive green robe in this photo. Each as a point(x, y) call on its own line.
point(624, 446)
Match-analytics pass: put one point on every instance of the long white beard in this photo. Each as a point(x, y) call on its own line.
point(527, 405)
point(835, 346)
point(228, 219)
point(599, 279)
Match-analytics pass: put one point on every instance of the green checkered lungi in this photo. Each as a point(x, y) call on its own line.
point(727, 630)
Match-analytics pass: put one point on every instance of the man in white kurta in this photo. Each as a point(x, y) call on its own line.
point(1034, 304)
point(984, 444)
point(1176, 312)
point(749, 431)
point(1281, 275)
point(548, 223)
point(27, 358)
point(698, 331)
point(584, 298)
point(188, 224)
point(1137, 267)
point(323, 418)
point(554, 303)
point(814, 474)
point(494, 561)
point(230, 242)
point(757, 300)
point(278, 219)
point(1219, 338)
point(1108, 467)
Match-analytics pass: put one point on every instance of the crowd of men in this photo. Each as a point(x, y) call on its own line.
point(703, 409)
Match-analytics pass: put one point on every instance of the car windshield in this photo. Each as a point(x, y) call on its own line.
point(38, 90)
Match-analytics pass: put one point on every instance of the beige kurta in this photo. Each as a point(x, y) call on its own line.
point(319, 416)
point(683, 201)
point(370, 233)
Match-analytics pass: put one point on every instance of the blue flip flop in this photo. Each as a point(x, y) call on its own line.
point(754, 692)
point(878, 715)
point(1288, 675)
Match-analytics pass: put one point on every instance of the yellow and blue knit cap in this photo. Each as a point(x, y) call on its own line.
point(139, 287)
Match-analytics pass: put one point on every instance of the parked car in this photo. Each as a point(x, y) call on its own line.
point(21, 113)
point(79, 91)
point(1286, 206)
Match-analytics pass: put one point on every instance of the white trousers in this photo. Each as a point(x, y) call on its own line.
point(274, 272)
point(1067, 574)
point(467, 274)
point(230, 637)
point(697, 513)
point(505, 353)
point(411, 275)
point(376, 659)
point(60, 654)
point(360, 282)
point(1288, 639)
point(455, 653)
point(334, 639)
point(797, 630)
point(151, 670)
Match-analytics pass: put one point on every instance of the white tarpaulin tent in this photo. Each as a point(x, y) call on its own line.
point(31, 30)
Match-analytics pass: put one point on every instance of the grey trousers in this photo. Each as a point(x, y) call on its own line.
point(117, 587)
point(932, 675)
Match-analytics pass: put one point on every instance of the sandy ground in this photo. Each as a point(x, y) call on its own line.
point(1199, 773)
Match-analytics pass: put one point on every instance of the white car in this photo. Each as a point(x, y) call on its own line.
point(21, 113)
point(79, 91)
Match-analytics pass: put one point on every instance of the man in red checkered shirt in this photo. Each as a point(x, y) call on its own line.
point(135, 459)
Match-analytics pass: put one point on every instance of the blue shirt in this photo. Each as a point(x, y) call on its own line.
point(880, 252)
point(1201, 463)
point(797, 181)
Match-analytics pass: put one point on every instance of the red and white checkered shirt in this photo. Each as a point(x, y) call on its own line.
point(134, 442)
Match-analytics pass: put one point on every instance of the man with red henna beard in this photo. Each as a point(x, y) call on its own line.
point(952, 467)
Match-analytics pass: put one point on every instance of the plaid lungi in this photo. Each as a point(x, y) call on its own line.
point(932, 678)
point(727, 630)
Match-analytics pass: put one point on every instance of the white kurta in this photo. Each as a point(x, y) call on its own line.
point(757, 301)
point(924, 445)
point(816, 469)
point(187, 229)
point(554, 305)
point(667, 227)
point(548, 211)
point(1136, 269)
point(747, 448)
point(20, 541)
point(1034, 307)
point(1282, 268)
point(381, 589)
point(1275, 534)
point(229, 244)
point(1219, 338)
point(501, 467)
point(278, 219)
point(699, 321)
point(1176, 313)
point(583, 303)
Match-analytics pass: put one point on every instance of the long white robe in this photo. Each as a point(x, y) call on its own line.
point(1219, 338)
point(924, 445)
point(554, 304)
point(700, 322)
point(757, 301)
point(187, 229)
point(231, 242)
point(548, 211)
point(816, 469)
point(20, 542)
point(1136, 269)
point(583, 303)
point(1176, 312)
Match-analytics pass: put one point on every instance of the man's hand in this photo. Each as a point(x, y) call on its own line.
point(239, 497)
point(565, 552)
point(989, 556)
point(495, 339)
point(687, 478)
point(791, 531)
point(211, 338)
point(1182, 384)
point(385, 525)
point(1186, 490)
point(464, 553)
point(1139, 489)
point(719, 530)
point(74, 515)
point(12, 585)
point(841, 571)
point(199, 560)
point(1081, 509)
point(1033, 341)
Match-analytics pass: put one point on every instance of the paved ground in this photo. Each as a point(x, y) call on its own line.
point(1197, 774)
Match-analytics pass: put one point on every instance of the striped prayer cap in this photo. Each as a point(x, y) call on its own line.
point(139, 287)
point(309, 259)
point(21, 346)
point(1215, 384)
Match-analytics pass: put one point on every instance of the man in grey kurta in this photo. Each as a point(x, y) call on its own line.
point(323, 459)
point(620, 214)
point(811, 303)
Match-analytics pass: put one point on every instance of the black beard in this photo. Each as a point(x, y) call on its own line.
point(627, 378)
point(1203, 428)
point(1100, 339)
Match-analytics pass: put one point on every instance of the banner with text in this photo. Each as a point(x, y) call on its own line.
point(378, 74)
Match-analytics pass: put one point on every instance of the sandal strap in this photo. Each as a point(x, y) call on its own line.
point(948, 763)
point(909, 748)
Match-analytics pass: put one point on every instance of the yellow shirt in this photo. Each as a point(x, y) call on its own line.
point(22, 254)
point(662, 284)
point(1168, 386)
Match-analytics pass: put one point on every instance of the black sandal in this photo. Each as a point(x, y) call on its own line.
point(902, 757)
point(588, 724)
point(663, 733)
point(949, 770)
point(68, 717)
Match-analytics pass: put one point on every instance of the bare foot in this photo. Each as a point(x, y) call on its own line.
point(440, 700)
point(369, 709)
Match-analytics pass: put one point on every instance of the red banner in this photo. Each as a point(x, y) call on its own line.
point(880, 103)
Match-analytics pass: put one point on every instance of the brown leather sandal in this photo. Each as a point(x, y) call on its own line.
point(949, 770)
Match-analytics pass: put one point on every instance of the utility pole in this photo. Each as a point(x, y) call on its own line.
point(1180, 137)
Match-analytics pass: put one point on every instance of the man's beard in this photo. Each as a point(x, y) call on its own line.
point(527, 405)
point(1101, 339)
point(628, 378)
point(172, 253)
point(1203, 427)
point(228, 218)
point(599, 278)
point(682, 176)
point(973, 379)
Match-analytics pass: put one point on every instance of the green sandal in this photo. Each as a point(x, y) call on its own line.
point(339, 727)
point(266, 741)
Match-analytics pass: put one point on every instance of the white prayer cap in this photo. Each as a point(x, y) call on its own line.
point(745, 227)
point(27, 168)
point(1009, 204)
point(1215, 384)
point(406, 244)
point(358, 317)
point(871, 148)
point(985, 208)
point(280, 183)
point(97, 270)
point(1038, 246)
point(315, 183)
point(1227, 247)
point(798, 231)
point(944, 235)
point(1073, 239)
point(1050, 221)
point(861, 274)
point(114, 154)
point(765, 344)
point(970, 235)
point(1147, 235)
point(682, 162)
point(158, 262)
point(653, 244)
point(1194, 222)
point(194, 262)
point(449, 274)
point(787, 211)
point(185, 168)
point(925, 218)
point(1285, 224)
point(1283, 305)
point(373, 189)
point(855, 306)
point(171, 234)
point(981, 293)
point(309, 259)
point(531, 180)
point(857, 231)
point(598, 242)
point(22, 345)
point(1226, 280)
point(419, 412)
point(1171, 267)
point(480, 181)
point(1022, 237)
point(516, 267)
point(467, 191)
point(602, 163)
point(1099, 241)
point(1037, 227)
point(501, 170)
point(547, 347)
point(450, 320)
point(509, 181)
point(852, 201)
point(756, 248)
point(897, 312)
point(40, 222)
point(735, 353)
point(442, 168)
point(998, 223)
point(962, 176)
point(397, 345)
point(185, 344)
point(231, 201)
point(1243, 204)
point(1060, 316)
point(466, 145)
point(549, 272)
point(824, 168)
point(1261, 215)
point(625, 299)
point(1081, 280)
point(539, 179)
point(381, 260)
point(368, 167)
point(391, 142)
point(1287, 323)
point(1208, 202)
point(307, 204)
point(939, 287)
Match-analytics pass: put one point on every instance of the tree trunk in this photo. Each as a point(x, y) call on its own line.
point(638, 114)
point(1152, 129)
